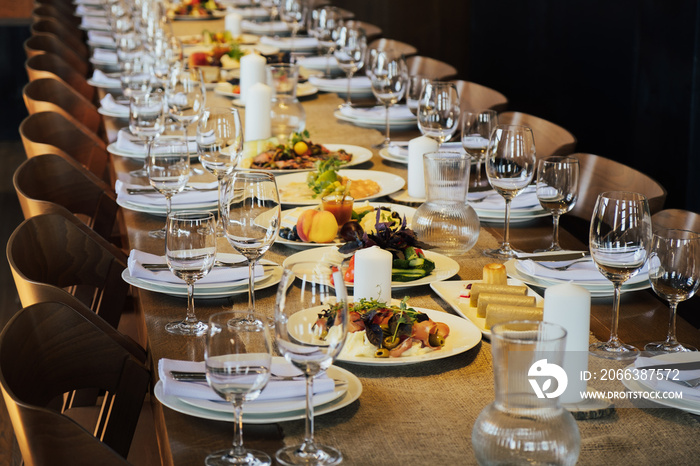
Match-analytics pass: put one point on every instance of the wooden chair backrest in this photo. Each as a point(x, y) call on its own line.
point(66, 8)
point(41, 43)
point(430, 68)
point(68, 18)
point(678, 219)
point(48, 350)
point(550, 139)
point(70, 35)
point(49, 65)
point(476, 97)
point(403, 48)
point(371, 31)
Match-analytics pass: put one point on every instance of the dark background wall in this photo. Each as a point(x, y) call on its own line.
point(623, 76)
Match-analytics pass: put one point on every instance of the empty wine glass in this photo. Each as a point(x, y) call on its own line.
point(251, 217)
point(325, 27)
point(238, 357)
point(146, 120)
point(557, 190)
point(136, 77)
point(168, 169)
point(190, 251)
point(219, 145)
point(510, 167)
point(438, 110)
point(388, 73)
point(294, 13)
point(350, 50)
point(413, 91)
point(304, 338)
point(476, 131)
point(185, 96)
point(674, 273)
point(619, 241)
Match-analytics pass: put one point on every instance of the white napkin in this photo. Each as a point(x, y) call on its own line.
point(494, 201)
point(317, 61)
point(286, 43)
point(127, 142)
point(217, 275)
point(94, 22)
point(666, 384)
point(275, 389)
point(396, 113)
point(263, 28)
point(105, 56)
point(101, 38)
point(157, 199)
point(109, 104)
point(250, 12)
point(581, 271)
point(400, 148)
point(100, 77)
point(358, 82)
point(85, 10)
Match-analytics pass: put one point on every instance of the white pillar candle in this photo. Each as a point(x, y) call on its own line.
point(569, 305)
point(252, 72)
point(373, 274)
point(257, 112)
point(232, 23)
point(416, 175)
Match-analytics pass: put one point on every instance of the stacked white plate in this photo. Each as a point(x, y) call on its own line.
point(360, 86)
point(400, 117)
point(398, 150)
point(196, 196)
point(319, 63)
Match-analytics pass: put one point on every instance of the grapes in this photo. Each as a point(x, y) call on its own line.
point(289, 234)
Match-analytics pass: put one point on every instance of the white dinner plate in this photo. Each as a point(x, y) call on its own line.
point(359, 155)
point(211, 290)
point(106, 63)
point(102, 85)
point(299, 44)
point(445, 267)
point(388, 183)
point(319, 63)
point(591, 284)
point(376, 124)
point(160, 211)
point(354, 390)
point(109, 113)
point(226, 90)
point(290, 216)
point(386, 155)
point(450, 291)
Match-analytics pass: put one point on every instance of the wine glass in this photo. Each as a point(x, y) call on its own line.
point(251, 217)
point(304, 339)
point(185, 96)
point(413, 91)
point(674, 273)
point(350, 51)
point(619, 241)
point(168, 170)
point(219, 145)
point(510, 167)
point(238, 357)
point(325, 26)
point(136, 77)
point(293, 13)
point(438, 110)
point(146, 120)
point(190, 251)
point(389, 75)
point(476, 131)
point(557, 190)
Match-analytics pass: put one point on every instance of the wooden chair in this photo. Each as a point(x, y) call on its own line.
point(48, 350)
point(71, 36)
point(49, 65)
point(677, 219)
point(476, 97)
point(430, 68)
point(386, 44)
point(550, 139)
point(52, 133)
point(66, 8)
point(71, 22)
point(56, 258)
point(42, 43)
point(371, 31)
point(53, 95)
point(49, 183)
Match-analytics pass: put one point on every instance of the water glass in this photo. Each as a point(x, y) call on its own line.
point(476, 131)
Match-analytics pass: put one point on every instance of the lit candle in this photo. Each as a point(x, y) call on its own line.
point(252, 72)
point(569, 305)
point(257, 112)
point(232, 23)
point(373, 274)
point(416, 175)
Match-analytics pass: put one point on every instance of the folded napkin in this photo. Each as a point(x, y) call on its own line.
point(86, 10)
point(105, 56)
point(400, 149)
point(582, 271)
point(359, 82)
point(103, 38)
point(94, 22)
point(666, 384)
point(494, 201)
point(101, 78)
point(286, 43)
point(210, 196)
point(250, 12)
point(221, 275)
point(127, 142)
point(275, 389)
point(396, 113)
point(317, 61)
point(263, 28)
point(109, 104)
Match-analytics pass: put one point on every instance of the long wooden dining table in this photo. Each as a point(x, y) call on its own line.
point(407, 414)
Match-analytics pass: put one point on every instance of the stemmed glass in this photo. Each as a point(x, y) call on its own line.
point(619, 241)
point(168, 169)
point(510, 167)
point(251, 216)
point(219, 145)
point(238, 357)
point(388, 73)
point(307, 344)
point(413, 91)
point(438, 110)
point(146, 120)
point(293, 13)
point(350, 50)
point(557, 190)
point(186, 96)
point(190, 251)
point(325, 28)
point(476, 131)
point(674, 273)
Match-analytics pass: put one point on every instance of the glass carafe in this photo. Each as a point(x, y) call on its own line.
point(444, 220)
point(526, 423)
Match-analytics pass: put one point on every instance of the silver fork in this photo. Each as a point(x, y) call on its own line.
point(562, 267)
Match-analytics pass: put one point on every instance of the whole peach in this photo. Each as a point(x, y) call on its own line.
point(317, 226)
